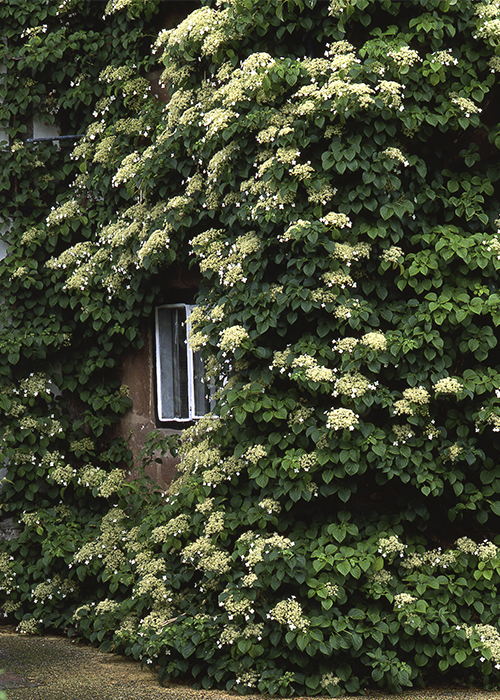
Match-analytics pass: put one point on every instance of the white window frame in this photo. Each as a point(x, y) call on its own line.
point(161, 406)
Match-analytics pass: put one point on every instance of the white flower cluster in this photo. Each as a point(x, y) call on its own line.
point(375, 340)
point(395, 154)
point(432, 557)
point(493, 245)
point(63, 474)
point(353, 384)
point(403, 599)
point(336, 220)
point(289, 612)
point(232, 338)
point(393, 254)
point(390, 92)
point(7, 575)
point(257, 546)
point(175, 527)
point(445, 58)
point(204, 555)
point(484, 551)
point(255, 453)
point(107, 483)
point(68, 210)
point(338, 278)
point(295, 231)
point(246, 678)
point(448, 385)
point(31, 626)
point(344, 345)
point(270, 505)
point(349, 253)
point(390, 546)
point(341, 419)
point(299, 415)
point(306, 367)
point(404, 56)
point(214, 524)
point(489, 638)
point(464, 104)
point(128, 169)
point(414, 399)
point(328, 679)
point(403, 433)
point(234, 607)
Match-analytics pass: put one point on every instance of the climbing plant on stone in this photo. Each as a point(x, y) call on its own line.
point(331, 169)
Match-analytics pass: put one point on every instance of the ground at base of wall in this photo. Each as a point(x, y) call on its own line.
point(54, 668)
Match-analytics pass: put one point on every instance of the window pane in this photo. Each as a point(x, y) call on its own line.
point(172, 363)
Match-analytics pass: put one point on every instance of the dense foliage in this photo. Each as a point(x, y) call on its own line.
point(332, 170)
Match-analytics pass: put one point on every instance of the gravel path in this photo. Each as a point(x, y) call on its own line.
point(53, 668)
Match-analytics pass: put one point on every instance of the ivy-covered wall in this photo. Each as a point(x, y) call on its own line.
point(331, 170)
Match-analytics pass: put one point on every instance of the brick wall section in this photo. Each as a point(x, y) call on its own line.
point(137, 373)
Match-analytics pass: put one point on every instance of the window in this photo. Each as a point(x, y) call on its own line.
point(181, 392)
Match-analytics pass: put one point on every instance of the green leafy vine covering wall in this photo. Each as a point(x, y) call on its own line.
point(331, 169)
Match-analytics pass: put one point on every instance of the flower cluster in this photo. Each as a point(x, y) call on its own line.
point(414, 400)
point(289, 612)
point(336, 220)
point(395, 154)
point(258, 546)
point(206, 506)
point(464, 104)
point(308, 461)
point(270, 505)
point(295, 231)
point(235, 607)
point(30, 626)
point(403, 433)
point(107, 483)
point(300, 415)
point(344, 345)
point(454, 452)
point(246, 678)
point(403, 599)
point(233, 337)
point(255, 453)
point(203, 555)
point(353, 384)
point(306, 367)
point(68, 210)
point(380, 577)
point(175, 527)
point(338, 278)
point(347, 252)
point(404, 56)
point(328, 679)
point(214, 524)
point(432, 558)
point(280, 359)
point(489, 638)
point(391, 546)
point(448, 385)
point(484, 551)
point(444, 58)
point(393, 254)
point(7, 575)
point(375, 340)
point(341, 419)
point(63, 474)
point(390, 91)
